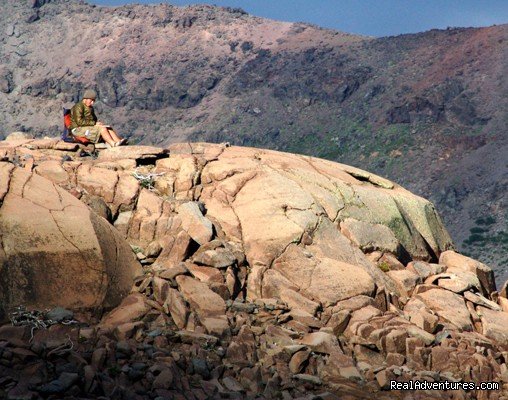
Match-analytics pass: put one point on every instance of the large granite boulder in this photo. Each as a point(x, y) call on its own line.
point(271, 201)
point(299, 216)
point(54, 251)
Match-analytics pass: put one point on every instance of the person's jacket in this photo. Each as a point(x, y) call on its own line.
point(81, 115)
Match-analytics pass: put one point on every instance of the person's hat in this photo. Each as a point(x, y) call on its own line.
point(90, 94)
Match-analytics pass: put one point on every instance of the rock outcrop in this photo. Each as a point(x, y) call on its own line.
point(54, 250)
point(269, 274)
point(436, 123)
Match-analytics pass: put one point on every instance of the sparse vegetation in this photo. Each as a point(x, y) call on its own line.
point(489, 220)
point(136, 249)
point(478, 230)
point(474, 239)
point(486, 244)
point(384, 266)
point(146, 181)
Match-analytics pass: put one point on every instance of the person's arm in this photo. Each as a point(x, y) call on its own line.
point(79, 117)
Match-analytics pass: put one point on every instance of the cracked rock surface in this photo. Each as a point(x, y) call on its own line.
point(55, 251)
point(264, 275)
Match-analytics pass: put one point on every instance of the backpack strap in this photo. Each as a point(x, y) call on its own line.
point(66, 133)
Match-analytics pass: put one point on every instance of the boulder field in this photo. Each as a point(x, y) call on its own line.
point(250, 273)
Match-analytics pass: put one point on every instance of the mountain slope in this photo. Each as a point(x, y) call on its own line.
point(427, 110)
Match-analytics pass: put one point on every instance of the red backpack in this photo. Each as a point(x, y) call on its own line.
point(67, 136)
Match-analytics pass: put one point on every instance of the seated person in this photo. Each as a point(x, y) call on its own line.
point(84, 123)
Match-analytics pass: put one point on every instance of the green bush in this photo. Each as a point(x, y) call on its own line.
point(477, 229)
point(475, 239)
point(384, 266)
point(486, 221)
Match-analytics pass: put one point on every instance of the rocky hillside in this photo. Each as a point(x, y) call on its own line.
point(260, 274)
point(426, 110)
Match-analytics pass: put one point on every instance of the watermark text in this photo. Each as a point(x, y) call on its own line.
point(445, 385)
